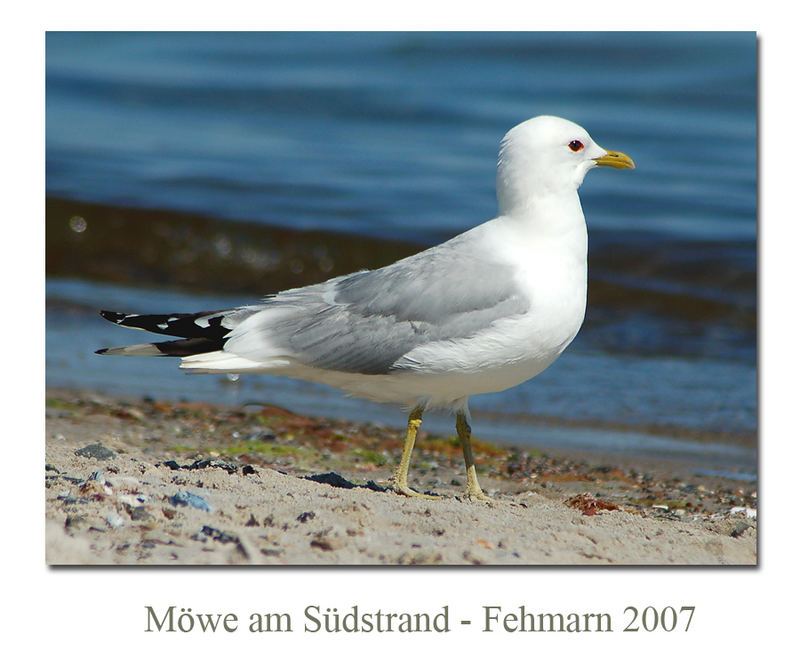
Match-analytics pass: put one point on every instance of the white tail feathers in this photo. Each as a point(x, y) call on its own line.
point(226, 362)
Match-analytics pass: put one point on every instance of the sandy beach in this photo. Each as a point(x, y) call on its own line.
point(136, 481)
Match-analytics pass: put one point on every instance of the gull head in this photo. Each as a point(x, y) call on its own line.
point(548, 156)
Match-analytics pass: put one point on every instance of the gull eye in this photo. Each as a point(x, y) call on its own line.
point(575, 145)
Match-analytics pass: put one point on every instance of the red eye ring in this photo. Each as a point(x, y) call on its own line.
point(575, 145)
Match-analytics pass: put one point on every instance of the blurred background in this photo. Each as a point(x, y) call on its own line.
point(204, 170)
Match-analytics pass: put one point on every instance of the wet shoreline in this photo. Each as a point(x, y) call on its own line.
point(682, 451)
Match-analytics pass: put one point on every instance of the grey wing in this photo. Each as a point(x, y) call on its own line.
point(365, 322)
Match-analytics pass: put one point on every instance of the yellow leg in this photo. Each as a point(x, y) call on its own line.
point(400, 481)
point(464, 431)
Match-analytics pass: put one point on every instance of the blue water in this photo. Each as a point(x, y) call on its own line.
point(396, 135)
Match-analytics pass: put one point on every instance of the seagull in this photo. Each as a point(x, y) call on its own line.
point(482, 312)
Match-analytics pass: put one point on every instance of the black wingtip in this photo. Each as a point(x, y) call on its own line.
point(101, 351)
point(112, 316)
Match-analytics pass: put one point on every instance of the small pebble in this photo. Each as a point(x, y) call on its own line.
point(96, 451)
point(185, 498)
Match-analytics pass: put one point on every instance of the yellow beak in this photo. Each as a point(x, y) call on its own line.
point(616, 160)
